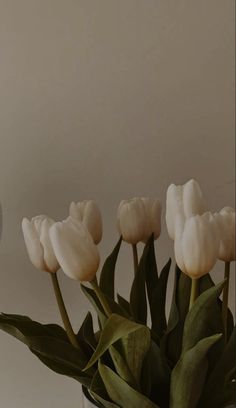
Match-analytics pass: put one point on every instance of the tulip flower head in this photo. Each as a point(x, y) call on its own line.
point(184, 200)
point(196, 245)
point(75, 250)
point(89, 214)
point(131, 220)
point(226, 224)
point(153, 218)
point(38, 244)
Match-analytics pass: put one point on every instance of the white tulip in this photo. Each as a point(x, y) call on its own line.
point(89, 214)
point(38, 244)
point(184, 200)
point(196, 244)
point(226, 224)
point(75, 250)
point(153, 218)
point(131, 220)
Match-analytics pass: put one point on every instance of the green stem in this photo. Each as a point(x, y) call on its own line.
point(194, 292)
point(101, 297)
point(225, 300)
point(63, 312)
point(135, 258)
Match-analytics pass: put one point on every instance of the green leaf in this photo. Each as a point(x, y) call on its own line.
point(49, 343)
point(86, 336)
point(108, 272)
point(214, 390)
point(206, 282)
point(58, 351)
point(92, 297)
point(189, 374)
point(99, 392)
point(22, 326)
point(90, 398)
point(156, 376)
point(115, 328)
point(115, 308)
point(63, 369)
point(172, 341)
point(124, 304)
point(206, 313)
point(120, 392)
point(122, 367)
point(134, 349)
point(138, 299)
point(157, 296)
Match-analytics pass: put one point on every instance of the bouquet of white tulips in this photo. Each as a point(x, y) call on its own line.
point(183, 360)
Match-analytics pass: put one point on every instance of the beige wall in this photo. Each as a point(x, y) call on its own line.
point(105, 100)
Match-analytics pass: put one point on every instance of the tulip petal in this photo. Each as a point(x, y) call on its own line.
point(193, 202)
point(226, 224)
point(49, 256)
point(89, 214)
point(33, 245)
point(132, 220)
point(75, 211)
point(200, 245)
point(92, 219)
point(174, 206)
point(74, 249)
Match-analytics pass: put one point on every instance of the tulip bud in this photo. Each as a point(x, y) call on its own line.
point(153, 218)
point(193, 201)
point(89, 214)
point(38, 244)
point(184, 200)
point(196, 244)
point(75, 250)
point(131, 217)
point(226, 224)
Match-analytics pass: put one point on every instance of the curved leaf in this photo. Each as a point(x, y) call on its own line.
point(107, 276)
point(138, 299)
point(205, 312)
point(172, 341)
point(121, 367)
point(120, 392)
point(22, 326)
point(115, 328)
point(189, 374)
point(92, 297)
point(214, 391)
point(156, 376)
point(124, 304)
point(86, 336)
point(134, 348)
point(115, 308)
point(60, 368)
point(99, 392)
point(157, 297)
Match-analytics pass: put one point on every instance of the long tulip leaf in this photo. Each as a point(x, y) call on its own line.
point(107, 276)
point(206, 313)
point(120, 392)
point(116, 328)
point(188, 376)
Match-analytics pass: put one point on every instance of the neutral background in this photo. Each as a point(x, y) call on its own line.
point(104, 100)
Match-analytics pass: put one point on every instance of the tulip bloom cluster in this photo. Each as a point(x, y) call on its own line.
point(70, 244)
point(125, 363)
